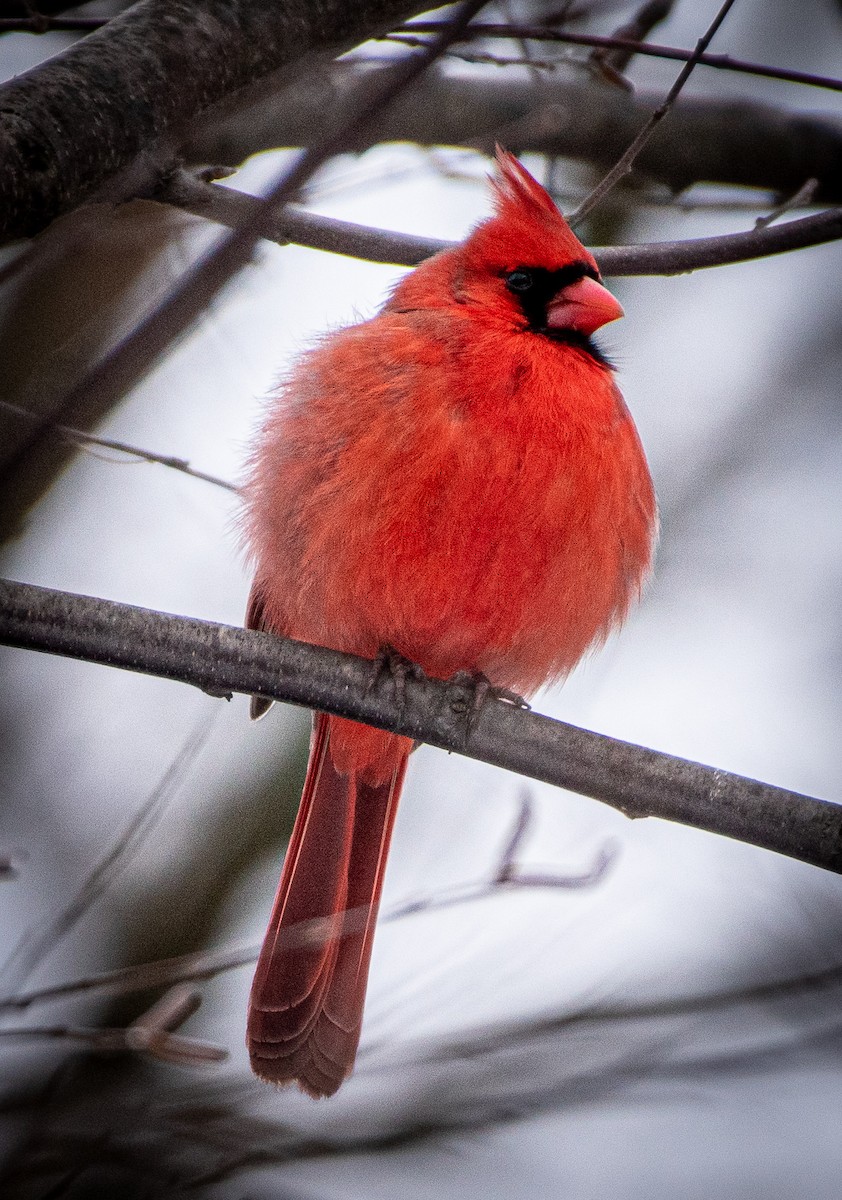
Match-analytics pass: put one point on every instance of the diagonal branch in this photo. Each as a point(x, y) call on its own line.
point(124, 365)
point(207, 964)
point(87, 440)
point(66, 129)
point(42, 937)
point(221, 659)
point(637, 29)
point(626, 162)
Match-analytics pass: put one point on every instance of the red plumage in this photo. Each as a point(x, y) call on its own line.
point(459, 479)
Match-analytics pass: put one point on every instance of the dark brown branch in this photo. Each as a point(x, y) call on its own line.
point(227, 206)
point(116, 100)
point(627, 160)
point(721, 62)
point(728, 140)
point(635, 30)
point(221, 659)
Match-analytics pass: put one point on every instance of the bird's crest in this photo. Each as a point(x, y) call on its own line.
point(526, 230)
point(515, 188)
point(527, 227)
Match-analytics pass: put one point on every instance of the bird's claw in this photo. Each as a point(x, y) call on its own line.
point(479, 688)
point(389, 662)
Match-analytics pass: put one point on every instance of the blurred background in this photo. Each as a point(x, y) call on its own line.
point(662, 1017)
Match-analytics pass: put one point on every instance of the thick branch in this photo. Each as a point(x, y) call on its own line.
point(109, 379)
point(130, 89)
point(731, 140)
point(221, 659)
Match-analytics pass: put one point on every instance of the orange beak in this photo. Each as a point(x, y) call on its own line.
point(585, 306)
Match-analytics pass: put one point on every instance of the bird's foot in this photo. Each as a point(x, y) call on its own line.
point(472, 690)
point(391, 664)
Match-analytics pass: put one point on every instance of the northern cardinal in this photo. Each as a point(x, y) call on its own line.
point(458, 479)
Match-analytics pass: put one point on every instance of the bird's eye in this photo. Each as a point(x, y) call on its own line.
point(520, 280)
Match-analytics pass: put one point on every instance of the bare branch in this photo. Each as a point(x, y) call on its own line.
point(626, 162)
point(166, 1047)
point(151, 1033)
point(221, 659)
point(675, 258)
point(721, 139)
point(720, 62)
point(127, 362)
point(64, 131)
point(637, 29)
point(205, 964)
point(42, 938)
point(227, 206)
point(124, 981)
point(803, 196)
point(79, 438)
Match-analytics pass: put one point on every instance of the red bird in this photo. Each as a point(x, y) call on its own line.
point(458, 479)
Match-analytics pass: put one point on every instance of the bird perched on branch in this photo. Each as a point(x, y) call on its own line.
point(459, 480)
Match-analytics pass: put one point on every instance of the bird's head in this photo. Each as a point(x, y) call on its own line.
point(523, 267)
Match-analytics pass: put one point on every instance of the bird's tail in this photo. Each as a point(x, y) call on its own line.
point(307, 998)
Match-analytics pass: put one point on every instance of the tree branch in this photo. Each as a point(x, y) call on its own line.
point(634, 30)
point(624, 166)
point(727, 140)
point(206, 964)
point(630, 46)
point(86, 440)
point(227, 206)
point(66, 130)
point(222, 659)
point(127, 362)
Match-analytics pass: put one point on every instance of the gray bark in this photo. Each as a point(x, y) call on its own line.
point(221, 659)
point(116, 102)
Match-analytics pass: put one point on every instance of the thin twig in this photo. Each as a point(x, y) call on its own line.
point(171, 1048)
point(151, 1034)
point(624, 166)
point(221, 659)
point(37, 942)
point(41, 23)
point(803, 196)
point(721, 62)
point(194, 967)
point(206, 964)
point(650, 14)
point(82, 439)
